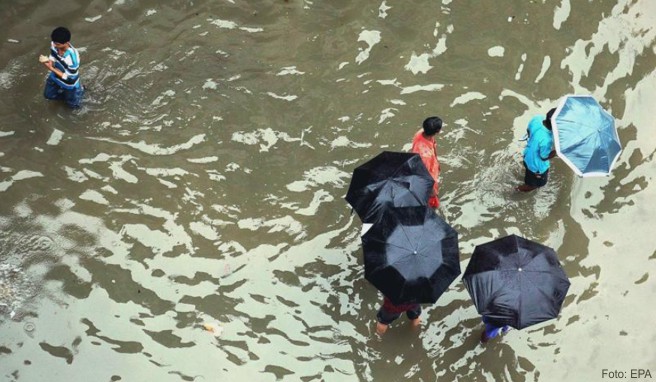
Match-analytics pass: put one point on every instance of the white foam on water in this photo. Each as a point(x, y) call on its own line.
point(286, 98)
point(6, 133)
point(157, 101)
point(382, 10)
point(20, 175)
point(75, 175)
point(319, 176)
point(13, 41)
point(119, 173)
point(320, 196)
point(161, 241)
point(5, 80)
point(203, 160)
point(371, 38)
point(204, 230)
point(386, 114)
point(467, 97)
point(93, 174)
point(210, 84)
point(55, 137)
point(92, 19)
point(151, 12)
point(285, 224)
point(420, 63)
point(343, 141)
point(251, 30)
point(225, 24)
point(496, 51)
point(109, 189)
point(215, 175)
point(393, 82)
point(165, 171)
point(546, 63)
point(154, 148)
point(64, 204)
point(626, 35)
point(419, 88)
point(160, 67)
point(268, 136)
point(289, 70)
point(561, 14)
point(94, 196)
point(167, 183)
point(520, 69)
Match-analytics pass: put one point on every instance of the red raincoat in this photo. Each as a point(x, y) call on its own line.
point(427, 150)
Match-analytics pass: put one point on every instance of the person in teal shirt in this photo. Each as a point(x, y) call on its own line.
point(538, 152)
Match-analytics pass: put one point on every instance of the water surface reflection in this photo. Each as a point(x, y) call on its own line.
point(202, 187)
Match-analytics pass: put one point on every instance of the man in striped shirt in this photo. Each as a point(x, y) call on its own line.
point(63, 83)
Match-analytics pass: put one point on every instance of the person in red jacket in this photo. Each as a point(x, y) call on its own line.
point(424, 144)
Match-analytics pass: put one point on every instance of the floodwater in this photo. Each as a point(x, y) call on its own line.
point(201, 187)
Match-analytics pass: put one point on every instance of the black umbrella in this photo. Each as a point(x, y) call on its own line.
point(389, 179)
point(517, 282)
point(411, 255)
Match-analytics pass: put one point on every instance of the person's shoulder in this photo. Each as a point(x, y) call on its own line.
point(535, 123)
point(537, 120)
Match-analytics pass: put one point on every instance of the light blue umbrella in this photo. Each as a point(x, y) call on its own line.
point(585, 136)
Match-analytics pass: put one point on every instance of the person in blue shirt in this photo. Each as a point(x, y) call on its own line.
point(63, 82)
point(492, 331)
point(538, 152)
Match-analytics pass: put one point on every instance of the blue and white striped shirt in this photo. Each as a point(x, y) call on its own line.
point(69, 64)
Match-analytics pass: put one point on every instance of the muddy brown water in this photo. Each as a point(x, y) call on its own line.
point(201, 186)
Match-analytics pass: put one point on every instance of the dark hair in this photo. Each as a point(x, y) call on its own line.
point(432, 125)
point(60, 35)
point(547, 120)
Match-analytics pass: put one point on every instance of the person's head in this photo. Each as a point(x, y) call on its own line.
point(60, 36)
point(547, 120)
point(432, 126)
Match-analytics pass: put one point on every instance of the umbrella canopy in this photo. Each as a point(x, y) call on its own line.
point(516, 282)
point(411, 255)
point(390, 179)
point(585, 136)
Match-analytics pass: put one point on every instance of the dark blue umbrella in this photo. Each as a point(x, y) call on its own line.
point(585, 136)
point(391, 179)
point(517, 282)
point(411, 255)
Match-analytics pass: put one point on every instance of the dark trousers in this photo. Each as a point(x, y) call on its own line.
point(534, 179)
point(72, 97)
point(387, 317)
